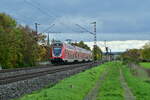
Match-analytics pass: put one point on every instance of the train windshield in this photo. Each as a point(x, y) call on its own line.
point(57, 51)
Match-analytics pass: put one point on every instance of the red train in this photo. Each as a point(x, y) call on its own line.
point(63, 53)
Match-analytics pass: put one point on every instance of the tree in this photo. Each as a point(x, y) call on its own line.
point(82, 45)
point(132, 55)
point(97, 53)
point(8, 43)
point(19, 45)
point(145, 52)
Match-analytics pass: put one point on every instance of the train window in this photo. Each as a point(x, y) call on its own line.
point(57, 51)
point(70, 47)
point(57, 44)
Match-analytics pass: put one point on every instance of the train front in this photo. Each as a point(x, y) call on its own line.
point(56, 53)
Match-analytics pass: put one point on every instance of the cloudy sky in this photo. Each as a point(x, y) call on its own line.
point(117, 20)
point(119, 46)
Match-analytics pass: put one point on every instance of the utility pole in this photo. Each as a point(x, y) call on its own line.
point(48, 40)
point(95, 40)
point(95, 37)
point(106, 48)
point(110, 57)
point(108, 52)
point(105, 43)
point(36, 28)
point(48, 46)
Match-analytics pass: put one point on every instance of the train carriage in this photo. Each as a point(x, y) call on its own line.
point(62, 53)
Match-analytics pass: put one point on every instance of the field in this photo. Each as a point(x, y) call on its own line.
point(110, 81)
point(145, 64)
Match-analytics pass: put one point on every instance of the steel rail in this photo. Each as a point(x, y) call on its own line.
point(15, 78)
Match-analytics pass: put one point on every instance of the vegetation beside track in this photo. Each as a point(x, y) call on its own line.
point(19, 45)
point(111, 88)
point(78, 86)
point(145, 64)
point(139, 87)
point(73, 88)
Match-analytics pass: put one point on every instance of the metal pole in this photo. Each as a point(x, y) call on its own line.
point(47, 39)
point(105, 43)
point(110, 55)
point(95, 41)
point(36, 28)
point(107, 52)
point(95, 38)
point(48, 46)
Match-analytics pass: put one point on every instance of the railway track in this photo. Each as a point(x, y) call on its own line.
point(45, 70)
point(12, 72)
point(25, 68)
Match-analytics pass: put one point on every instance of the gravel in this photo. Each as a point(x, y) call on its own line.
point(17, 89)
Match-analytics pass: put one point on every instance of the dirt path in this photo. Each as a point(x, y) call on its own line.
point(95, 90)
point(128, 94)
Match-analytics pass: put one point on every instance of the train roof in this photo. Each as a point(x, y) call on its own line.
point(77, 48)
point(72, 47)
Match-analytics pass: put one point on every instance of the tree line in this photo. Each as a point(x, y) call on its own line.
point(137, 55)
point(19, 44)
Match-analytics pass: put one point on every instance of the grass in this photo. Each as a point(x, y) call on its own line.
point(73, 88)
point(139, 87)
point(111, 88)
point(77, 87)
point(145, 64)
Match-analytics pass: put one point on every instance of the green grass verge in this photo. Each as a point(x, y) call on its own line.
point(145, 64)
point(139, 87)
point(111, 88)
point(73, 88)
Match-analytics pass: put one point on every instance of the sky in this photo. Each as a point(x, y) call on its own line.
point(112, 16)
point(117, 20)
point(119, 46)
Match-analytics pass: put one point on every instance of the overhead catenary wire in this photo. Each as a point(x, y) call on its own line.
point(56, 17)
point(37, 6)
point(40, 10)
point(24, 19)
point(84, 28)
point(46, 30)
point(47, 10)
